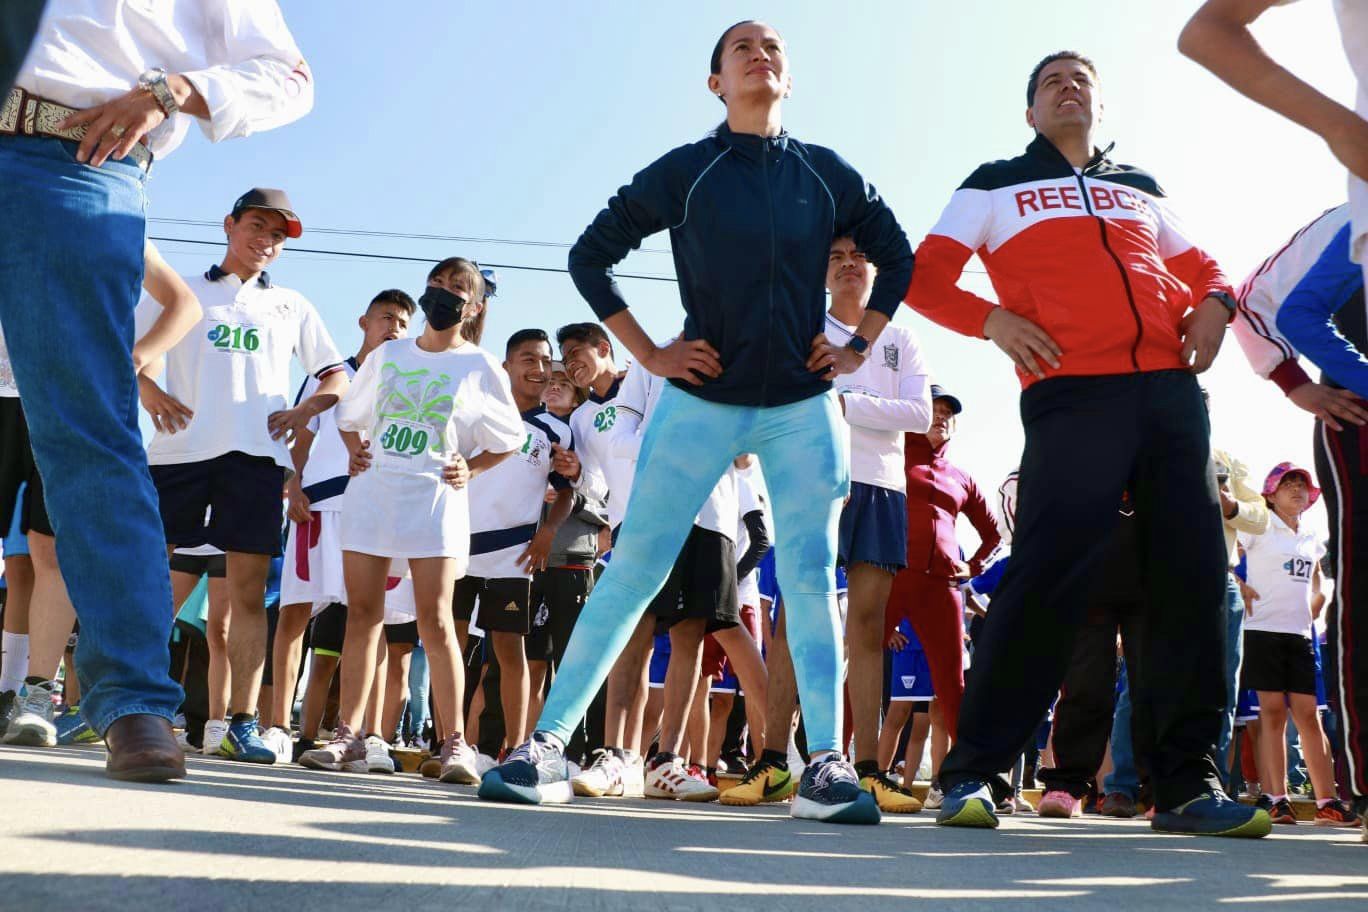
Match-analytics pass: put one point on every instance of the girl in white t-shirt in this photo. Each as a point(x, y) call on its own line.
point(414, 413)
point(1279, 657)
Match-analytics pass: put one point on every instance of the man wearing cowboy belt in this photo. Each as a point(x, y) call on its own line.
point(106, 88)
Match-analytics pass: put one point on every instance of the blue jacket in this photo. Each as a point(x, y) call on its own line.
point(1324, 316)
point(751, 221)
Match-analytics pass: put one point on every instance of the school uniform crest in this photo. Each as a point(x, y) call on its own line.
point(890, 353)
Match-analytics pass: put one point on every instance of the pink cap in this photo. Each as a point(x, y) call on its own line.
point(1283, 469)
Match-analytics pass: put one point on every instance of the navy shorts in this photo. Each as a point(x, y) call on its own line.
point(241, 494)
point(873, 528)
point(911, 677)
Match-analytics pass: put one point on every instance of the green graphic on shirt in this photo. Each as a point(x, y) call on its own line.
point(605, 419)
point(226, 337)
point(416, 396)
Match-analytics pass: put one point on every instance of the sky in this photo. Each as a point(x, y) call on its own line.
point(498, 130)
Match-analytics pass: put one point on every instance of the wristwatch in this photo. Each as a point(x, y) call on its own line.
point(859, 345)
point(1227, 299)
point(154, 81)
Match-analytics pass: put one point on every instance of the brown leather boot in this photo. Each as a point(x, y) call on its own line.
point(142, 748)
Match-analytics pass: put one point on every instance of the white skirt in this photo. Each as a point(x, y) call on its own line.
point(391, 514)
point(312, 569)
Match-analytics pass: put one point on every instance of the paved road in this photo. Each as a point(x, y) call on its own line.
point(243, 837)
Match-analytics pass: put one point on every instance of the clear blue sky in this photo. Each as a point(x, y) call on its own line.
point(518, 120)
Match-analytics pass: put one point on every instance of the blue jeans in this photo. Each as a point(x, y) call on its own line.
point(688, 446)
point(1124, 778)
point(418, 693)
point(1234, 656)
point(72, 263)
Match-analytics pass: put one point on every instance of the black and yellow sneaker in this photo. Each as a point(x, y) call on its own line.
point(891, 797)
point(763, 782)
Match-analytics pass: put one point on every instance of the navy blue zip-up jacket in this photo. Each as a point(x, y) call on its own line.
point(751, 222)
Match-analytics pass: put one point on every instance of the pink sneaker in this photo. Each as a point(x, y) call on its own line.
point(1059, 803)
point(344, 753)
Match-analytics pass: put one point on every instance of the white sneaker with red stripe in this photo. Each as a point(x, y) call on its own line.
point(667, 777)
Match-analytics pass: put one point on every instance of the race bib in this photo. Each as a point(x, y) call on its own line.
point(235, 338)
point(401, 441)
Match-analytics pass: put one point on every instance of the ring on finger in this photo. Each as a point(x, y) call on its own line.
point(118, 130)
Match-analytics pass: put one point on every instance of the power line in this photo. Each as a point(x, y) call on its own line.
point(409, 259)
point(355, 232)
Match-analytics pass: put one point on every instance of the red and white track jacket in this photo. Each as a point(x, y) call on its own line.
point(1095, 257)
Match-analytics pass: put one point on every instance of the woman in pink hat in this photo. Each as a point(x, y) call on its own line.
point(1279, 660)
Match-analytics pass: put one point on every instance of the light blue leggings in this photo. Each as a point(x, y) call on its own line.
point(689, 444)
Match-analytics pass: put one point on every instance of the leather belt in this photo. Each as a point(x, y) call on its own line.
point(23, 114)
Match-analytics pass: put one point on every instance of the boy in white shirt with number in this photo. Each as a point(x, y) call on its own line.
point(232, 375)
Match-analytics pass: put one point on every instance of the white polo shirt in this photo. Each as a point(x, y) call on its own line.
point(888, 396)
point(604, 475)
point(1281, 562)
point(233, 368)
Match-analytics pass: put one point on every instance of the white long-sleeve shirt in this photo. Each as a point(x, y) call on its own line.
point(238, 54)
point(889, 395)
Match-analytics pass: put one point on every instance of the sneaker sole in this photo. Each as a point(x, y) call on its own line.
point(31, 736)
point(327, 766)
point(1345, 824)
point(1255, 827)
point(584, 790)
point(731, 800)
point(493, 788)
point(1057, 813)
point(974, 813)
point(384, 770)
point(698, 797)
point(863, 811)
point(461, 775)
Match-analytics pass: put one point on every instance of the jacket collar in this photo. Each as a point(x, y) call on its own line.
point(751, 145)
point(215, 274)
point(1044, 150)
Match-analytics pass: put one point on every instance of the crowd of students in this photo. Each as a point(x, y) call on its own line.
point(521, 518)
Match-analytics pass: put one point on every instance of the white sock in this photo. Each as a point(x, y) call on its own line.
point(14, 661)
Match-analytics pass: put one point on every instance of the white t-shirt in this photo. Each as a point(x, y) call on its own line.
point(748, 500)
point(888, 396)
point(1353, 22)
point(636, 404)
point(605, 476)
point(8, 388)
point(506, 502)
point(233, 368)
point(324, 478)
point(1280, 566)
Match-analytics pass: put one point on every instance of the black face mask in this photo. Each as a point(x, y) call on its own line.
point(442, 308)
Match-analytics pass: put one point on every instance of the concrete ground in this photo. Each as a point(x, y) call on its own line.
point(235, 836)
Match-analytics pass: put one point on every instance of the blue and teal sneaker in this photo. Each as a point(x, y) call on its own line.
point(1214, 814)
point(969, 804)
point(243, 743)
point(534, 773)
point(830, 792)
point(72, 728)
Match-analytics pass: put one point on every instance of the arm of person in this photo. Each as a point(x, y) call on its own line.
point(1306, 315)
point(759, 543)
point(910, 412)
point(539, 549)
point(1218, 37)
point(180, 309)
point(936, 295)
point(316, 352)
point(985, 524)
point(1202, 327)
point(624, 437)
point(297, 502)
point(260, 82)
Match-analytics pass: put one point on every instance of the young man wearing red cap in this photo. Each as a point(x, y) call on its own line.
point(1280, 659)
point(230, 460)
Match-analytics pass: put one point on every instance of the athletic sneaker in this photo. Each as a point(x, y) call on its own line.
point(1214, 814)
point(1119, 805)
point(280, 743)
point(378, 758)
point(1336, 814)
point(731, 766)
point(763, 782)
point(344, 753)
point(968, 804)
point(72, 728)
point(32, 723)
point(1059, 803)
point(430, 768)
point(534, 773)
point(634, 777)
point(458, 762)
point(186, 747)
point(484, 763)
point(603, 778)
point(934, 798)
point(1281, 812)
point(830, 792)
point(215, 730)
point(9, 700)
point(666, 777)
point(891, 797)
point(243, 743)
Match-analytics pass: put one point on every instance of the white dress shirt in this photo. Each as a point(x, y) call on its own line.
point(238, 54)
